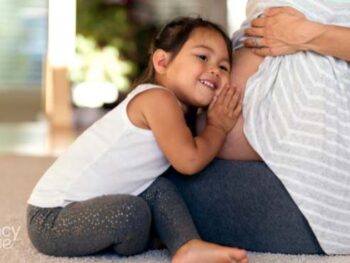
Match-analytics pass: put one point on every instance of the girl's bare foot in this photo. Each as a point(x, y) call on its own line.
point(195, 251)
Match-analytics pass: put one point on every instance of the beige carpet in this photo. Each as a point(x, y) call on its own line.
point(18, 176)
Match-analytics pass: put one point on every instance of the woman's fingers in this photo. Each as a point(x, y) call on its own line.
point(259, 22)
point(255, 42)
point(283, 9)
point(254, 32)
point(263, 52)
point(276, 33)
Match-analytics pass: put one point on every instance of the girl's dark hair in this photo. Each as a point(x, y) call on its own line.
point(173, 36)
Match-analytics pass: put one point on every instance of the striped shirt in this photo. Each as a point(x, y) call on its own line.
point(297, 117)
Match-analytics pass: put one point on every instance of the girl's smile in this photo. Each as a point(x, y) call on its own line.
point(208, 83)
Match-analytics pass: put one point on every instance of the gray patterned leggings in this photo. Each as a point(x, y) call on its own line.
point(122, 222)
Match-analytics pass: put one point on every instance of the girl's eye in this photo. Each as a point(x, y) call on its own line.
point(224, 68)
point(203, 57)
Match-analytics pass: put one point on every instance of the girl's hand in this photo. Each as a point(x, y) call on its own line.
point(280, 31)
point(225, 109)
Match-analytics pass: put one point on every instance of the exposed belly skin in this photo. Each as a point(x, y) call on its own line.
point(236, 146)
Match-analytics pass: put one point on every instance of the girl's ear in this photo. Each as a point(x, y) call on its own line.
point(160, 60)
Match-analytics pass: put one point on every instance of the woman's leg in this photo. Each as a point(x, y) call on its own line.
point(87, 227)
point(176, 229)
point(243, 204)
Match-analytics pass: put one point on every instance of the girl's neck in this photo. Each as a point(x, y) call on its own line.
point(183, 106)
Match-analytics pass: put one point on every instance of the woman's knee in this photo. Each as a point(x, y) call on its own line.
point(162, 184)
point(160, 188)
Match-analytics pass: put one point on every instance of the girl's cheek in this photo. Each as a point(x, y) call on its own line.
point(225, 80)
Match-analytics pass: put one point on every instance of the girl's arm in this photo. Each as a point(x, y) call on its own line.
point(284, 30)
point(188, 154)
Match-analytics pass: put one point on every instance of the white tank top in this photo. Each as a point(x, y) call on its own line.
point(113, 156)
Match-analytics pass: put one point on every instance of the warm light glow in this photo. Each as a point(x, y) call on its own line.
point(94, 94)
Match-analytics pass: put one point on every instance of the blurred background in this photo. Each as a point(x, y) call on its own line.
point(65, 63)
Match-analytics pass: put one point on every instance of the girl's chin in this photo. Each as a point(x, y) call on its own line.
point(205, 102)
point(203, 98)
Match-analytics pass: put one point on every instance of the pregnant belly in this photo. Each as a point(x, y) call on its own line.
point(236, 147)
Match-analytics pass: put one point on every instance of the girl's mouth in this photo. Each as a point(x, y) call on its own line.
point(208, 83)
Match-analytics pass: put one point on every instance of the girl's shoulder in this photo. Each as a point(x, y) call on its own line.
point(155, 88)
point(150, 100)
point(153, 93)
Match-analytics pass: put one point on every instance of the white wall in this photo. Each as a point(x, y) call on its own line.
point(235, 14)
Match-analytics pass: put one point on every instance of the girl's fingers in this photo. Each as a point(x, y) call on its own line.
point(236, 105)
point(223, 95)
point(213, 102)
point(217, 93)
point(228, 100)
point(234, 100)
point(229, 97)
point(237, 110)
point(218, 98)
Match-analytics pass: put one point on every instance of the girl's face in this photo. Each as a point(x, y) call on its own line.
point(200, 68)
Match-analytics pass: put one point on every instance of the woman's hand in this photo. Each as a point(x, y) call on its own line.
point(284, 30)
point(280, 31)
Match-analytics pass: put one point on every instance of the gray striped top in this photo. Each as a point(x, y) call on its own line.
point(297, 117)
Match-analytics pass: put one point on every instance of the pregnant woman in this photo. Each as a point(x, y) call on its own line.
point(296, 119)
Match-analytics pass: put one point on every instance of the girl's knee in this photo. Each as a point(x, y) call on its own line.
point(120, 206)
point(128, 213)
point(134, 218)
point(133, 235)
point(141, 210)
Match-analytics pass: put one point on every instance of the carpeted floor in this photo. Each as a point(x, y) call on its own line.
point(18, 176)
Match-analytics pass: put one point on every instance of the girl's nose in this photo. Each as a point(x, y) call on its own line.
point(214, 70)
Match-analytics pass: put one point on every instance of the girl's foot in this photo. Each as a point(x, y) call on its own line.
point(195, 251)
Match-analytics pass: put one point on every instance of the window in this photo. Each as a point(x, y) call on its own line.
point(23, 41)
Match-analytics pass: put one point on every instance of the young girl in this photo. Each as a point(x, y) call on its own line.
point(103, 190)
